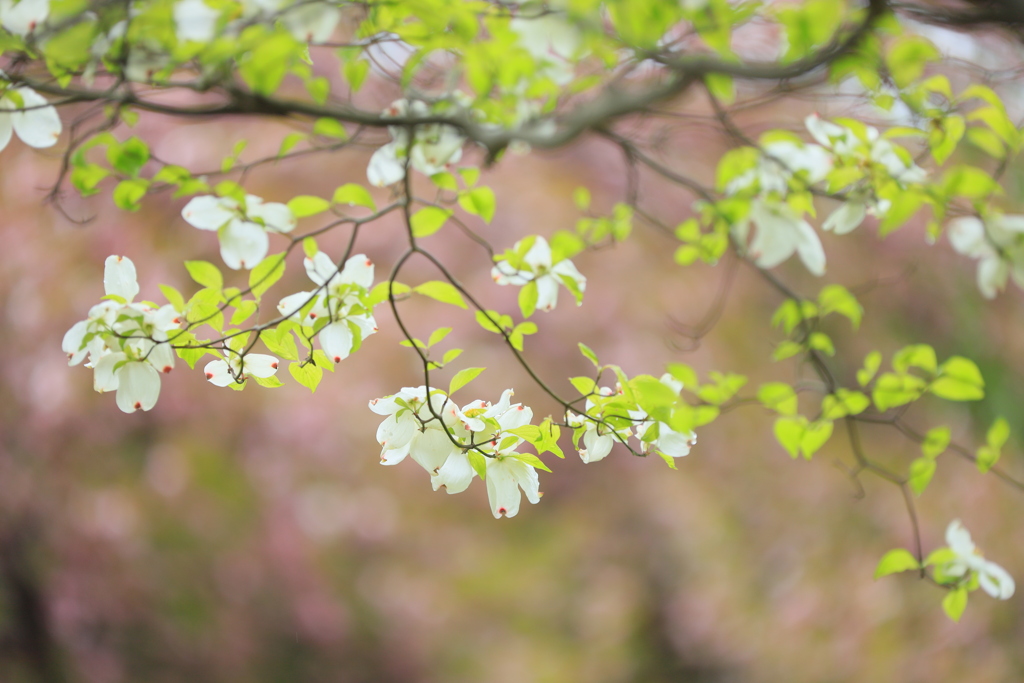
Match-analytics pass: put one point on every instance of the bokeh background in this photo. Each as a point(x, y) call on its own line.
point(253, 536)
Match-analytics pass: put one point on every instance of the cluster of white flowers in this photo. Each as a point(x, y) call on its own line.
point(537, 266)
point(125, 341)
point(434, 146)
point(551, 39)
point(781, 230)
point(997, 242)
point(238, 367)
point(242, 231)
point(442, 438)
point(968, 562)
point(338, 299)
point(598, 435)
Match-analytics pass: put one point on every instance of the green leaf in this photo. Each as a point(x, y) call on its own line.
point(480, 202)
point(173, 297)
point(959, 380)
point(955, 603)
point(266, 273)
point(896, 561)
point(128, 193)
point(935, 442)
point(532, 460)
point(652, 394)
point(428, 220)
point(438, 335)
point(779, 397)
point(289, 142)
point(528, 296)
point(129, 156)
point(969, 182)
point(354, 195)
point(872, 362)
point(892, 390)
point(581, 198)
point(787, 349)
point(442, 291)
point(308, 375)
point(915, 356)
point(789, 431)
point(842, 403)
point(921, 471)
point(479, 463)
point(988, 455)
point(330, 128)
point(271, 382)
point(838, 299)
point(307, 205)
point(462, 378)
point(815, 436)
point(280, 343)
point(243, 311)
point(205, 273)
point(589, 354)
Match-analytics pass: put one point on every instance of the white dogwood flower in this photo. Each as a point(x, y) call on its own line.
point(126, 342)
point(506, 475)
point(537, 266)
point(434, 148)
point(238, 367)
point(992, 578)
point(242, 231)
point(337, 299)
point(996, 244)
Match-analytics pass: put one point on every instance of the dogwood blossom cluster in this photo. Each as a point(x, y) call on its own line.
point(780, 230)
point(125, 342)
point(445, 439)
point(610, 418)
point(337, 307)
point(531, 260)
point(965, 562)
point(434, 146)
point(996, 241)
point(871, 157)
point(241, 229)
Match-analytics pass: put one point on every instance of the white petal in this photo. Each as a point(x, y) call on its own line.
point(385, 168)
point(967, 235)
point(119, 277)
point(502, 488)
point(208, 212)
point(321, 268)
point(312, 22)
point(431, 448)
point(104, 377)
point(6, 125)
point(161, 357)
point(195, 20)
point(455, 475)
point(567, 268)
point(138, 386)
point(293, 303)
point(336, 341)
point(396, 432)
point(22, 18)
point(846, 217)
point(996, 581)
point(74, 342)
point(259, 365)
point(393, 456)
point(547, 293)
point(358, 270)
point(539, 254)
point(809, 248)
point(526, 477)
point(275, 215)
point(993, 272)
point(672, 443)
point(39, 125)
point(243, 244)
point(218, 374)
point(598, 446)
point(959, 539)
